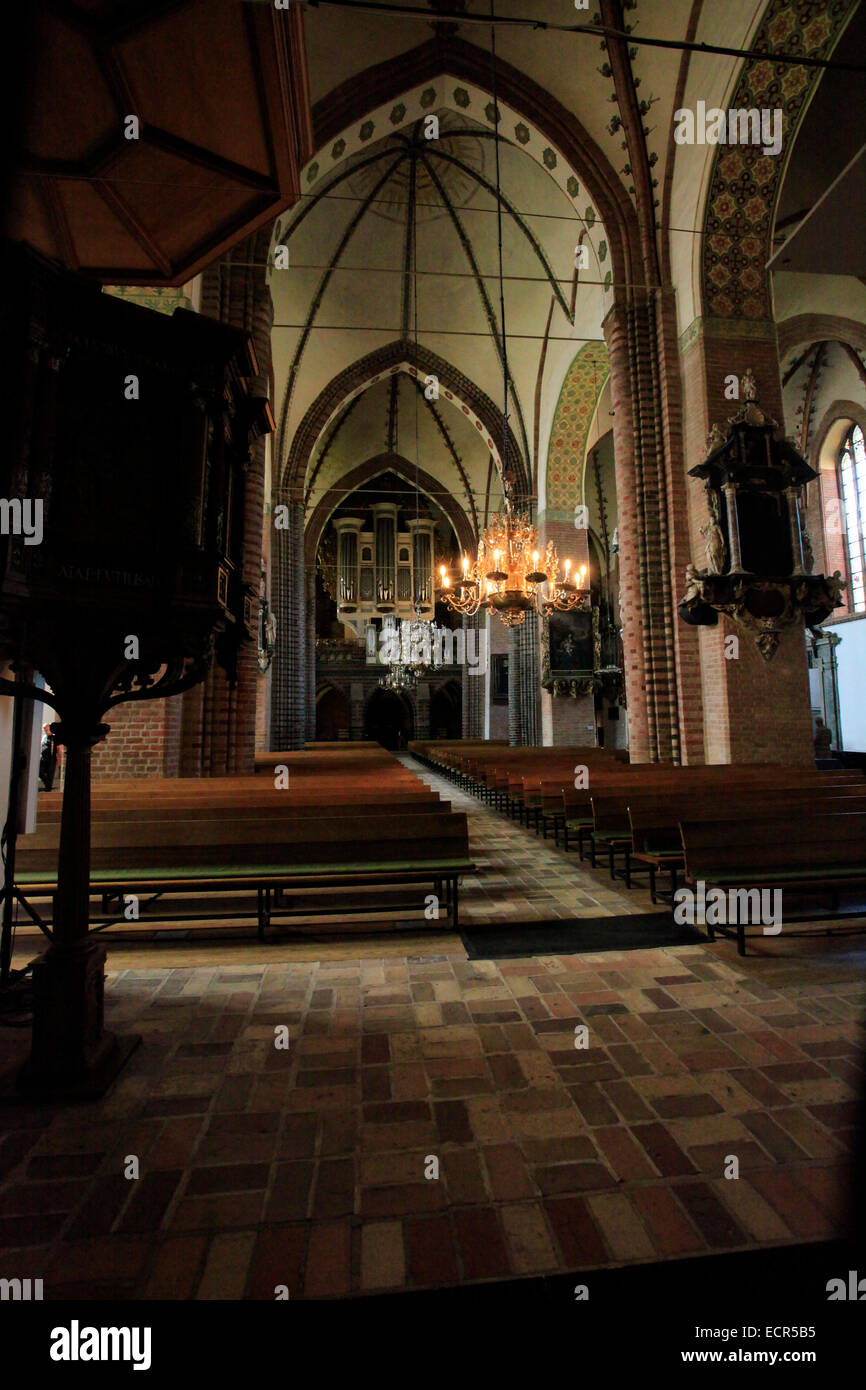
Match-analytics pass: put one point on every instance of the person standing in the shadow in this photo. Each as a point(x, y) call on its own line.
point(47, 758)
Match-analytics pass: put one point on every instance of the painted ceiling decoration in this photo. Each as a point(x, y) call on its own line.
point(745, 182)
point(583, 385)
point(406, 176)
point(461, 98)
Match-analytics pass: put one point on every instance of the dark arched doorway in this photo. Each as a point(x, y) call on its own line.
point(389, 719)
point(446, 711)
point(332, 715)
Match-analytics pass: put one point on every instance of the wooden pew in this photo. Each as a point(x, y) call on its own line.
point(800, 853)
point(655, 822)
point(314, 853)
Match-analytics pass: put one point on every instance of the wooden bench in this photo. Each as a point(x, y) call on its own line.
point(269, 856)
point(656, 843)
point(801, 853)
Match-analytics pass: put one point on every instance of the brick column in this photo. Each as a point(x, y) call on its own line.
point(754, 711)
point(356, 710)
point(289, 687)
point(474, 685)
point(643, 485)
point(422, 710)
point(310, 652)
point(523, 684)
point(238, 295)
point(565, 719)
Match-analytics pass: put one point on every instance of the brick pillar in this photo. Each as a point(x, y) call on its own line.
point(310, 652)
point(289, 688)
point(474, 683)
point(422, 710)
point(523, 684)
point(754, 711)
point(643, 486)
point(356, 710)
point(235, 292)
point(565, 719)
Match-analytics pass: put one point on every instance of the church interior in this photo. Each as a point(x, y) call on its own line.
point(432, 649)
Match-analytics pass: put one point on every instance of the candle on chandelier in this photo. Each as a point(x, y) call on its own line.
point(567, 567)
point(465, 563)
point(582, 575)
point(535, 559)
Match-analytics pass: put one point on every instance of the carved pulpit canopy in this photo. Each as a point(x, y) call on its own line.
point(758, 557)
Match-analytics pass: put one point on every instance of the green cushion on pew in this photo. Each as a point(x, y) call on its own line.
point(254, 871)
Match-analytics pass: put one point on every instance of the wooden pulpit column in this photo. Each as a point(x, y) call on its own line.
point(133, 436)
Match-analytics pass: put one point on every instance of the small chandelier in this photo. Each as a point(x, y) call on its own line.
point(412, 648)
point(506, 577)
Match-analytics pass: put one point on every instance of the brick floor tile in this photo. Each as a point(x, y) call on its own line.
point(339, 1133)
point(174, 1271)
point(109, 1257)
point(328, 1271)
point(375, 1083)
point(432, 1257)
point(335, 1188)
point(408, 1081)
point(451, 1118)
point(480, 1243)
point(621, 1225)
point(712, 1219)
point(757, 1218)
point(151, 1198)
point(383, 1261)
point(396, 1112)
point(464, 1177)
point(559, 1178)
point(663, 1149)
point(227, 1177)
point(528, 1238)
point(407, 1199)
point(772, 1137)
point(793, 1203)
point(628, 1102)
point(290, 1192)
point(278, 1260)
point(218, 1212)
point(226, 1266)
point(43, 1166)
point(575, 1231)
point(626, 1159)
point(671, 1107)
point(507, 1173)
point(670, 1229)
point(593, 1105)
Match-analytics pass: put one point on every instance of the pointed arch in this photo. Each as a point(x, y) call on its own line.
point(385, 463)
point(446, 56)
point(454, 388)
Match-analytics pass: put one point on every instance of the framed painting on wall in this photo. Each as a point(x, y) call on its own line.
point(571, 652)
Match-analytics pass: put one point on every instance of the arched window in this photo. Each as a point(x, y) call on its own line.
point(852, 491)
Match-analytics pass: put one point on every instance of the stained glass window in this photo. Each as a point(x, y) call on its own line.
point(852, 490)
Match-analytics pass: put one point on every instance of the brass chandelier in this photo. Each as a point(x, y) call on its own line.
point(506, 577)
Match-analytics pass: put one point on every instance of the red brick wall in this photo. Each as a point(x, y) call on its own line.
point(144, 741)
point(754, 711)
